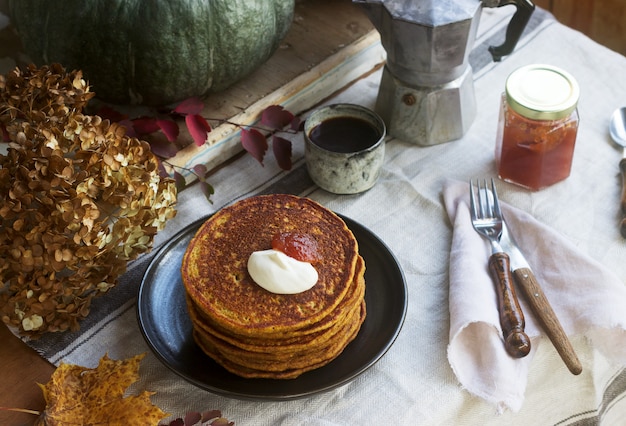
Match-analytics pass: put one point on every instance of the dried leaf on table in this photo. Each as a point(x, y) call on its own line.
point(80, 395)
point(194, 418)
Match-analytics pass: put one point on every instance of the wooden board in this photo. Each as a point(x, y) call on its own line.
point(330, 44)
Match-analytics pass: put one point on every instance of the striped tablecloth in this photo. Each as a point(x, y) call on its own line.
point(413, 383)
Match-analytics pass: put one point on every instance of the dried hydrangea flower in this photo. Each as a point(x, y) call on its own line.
point(78, 200)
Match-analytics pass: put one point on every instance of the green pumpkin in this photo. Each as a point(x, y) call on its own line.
point(153, 52)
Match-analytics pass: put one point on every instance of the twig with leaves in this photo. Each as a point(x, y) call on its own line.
point(161, 128)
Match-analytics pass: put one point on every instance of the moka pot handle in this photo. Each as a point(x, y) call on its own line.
point(525, 9)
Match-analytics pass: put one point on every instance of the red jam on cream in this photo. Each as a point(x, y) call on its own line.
point(281, 274)
point(297, 245)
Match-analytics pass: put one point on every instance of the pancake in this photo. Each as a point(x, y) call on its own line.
point(253, 332)
point(275, 361)
point(215, 272)
point(285, 370)
point(283, 346)
point(286, 342)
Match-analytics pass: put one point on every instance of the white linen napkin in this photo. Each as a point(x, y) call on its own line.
point(586, 297)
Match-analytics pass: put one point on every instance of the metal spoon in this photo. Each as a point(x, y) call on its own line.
point(617, 128)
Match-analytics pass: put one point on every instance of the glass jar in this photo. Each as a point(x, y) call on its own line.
point(537, 127)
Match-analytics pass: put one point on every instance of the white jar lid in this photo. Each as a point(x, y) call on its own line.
point(542, 92)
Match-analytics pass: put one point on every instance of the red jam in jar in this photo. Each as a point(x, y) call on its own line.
point(537, 127)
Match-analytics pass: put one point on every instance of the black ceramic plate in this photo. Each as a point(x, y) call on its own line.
point(167, 328)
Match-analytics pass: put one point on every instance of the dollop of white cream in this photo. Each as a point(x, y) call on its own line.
point(281, 274)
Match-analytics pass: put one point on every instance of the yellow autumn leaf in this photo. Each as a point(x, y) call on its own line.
point(78, 395)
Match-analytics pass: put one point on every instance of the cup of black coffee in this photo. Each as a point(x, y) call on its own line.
point(344, 147)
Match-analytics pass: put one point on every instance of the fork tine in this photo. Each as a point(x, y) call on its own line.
point(473, 200)
point(496, 202)
point(483, 200)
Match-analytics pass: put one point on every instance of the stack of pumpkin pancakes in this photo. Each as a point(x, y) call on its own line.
point(253, 332)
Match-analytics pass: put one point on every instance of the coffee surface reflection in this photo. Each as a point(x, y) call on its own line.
point(344, 134)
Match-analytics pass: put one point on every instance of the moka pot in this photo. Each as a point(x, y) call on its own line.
point(426, 94)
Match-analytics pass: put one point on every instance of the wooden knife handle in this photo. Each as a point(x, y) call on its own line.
point(622, 168)
point(512, 321)
point(547, 318)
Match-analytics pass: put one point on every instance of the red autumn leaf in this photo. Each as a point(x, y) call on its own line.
point(161, 147)
point(190, 106)
point(111, 114)
point(282, 151)
point(198, 128)
point(296, 124)
point(192, 418)
point(200, 170)
point(276, 117)
point(163, 171)
point(179, 181)
point(207, 190)
point(210, 415)
point(130, 129)
point(145, 125)
point(255, 143)
point(169, 128)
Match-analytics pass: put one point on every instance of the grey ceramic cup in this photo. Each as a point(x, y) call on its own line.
point(345, 172)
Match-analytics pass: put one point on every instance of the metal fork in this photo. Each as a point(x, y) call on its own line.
point(487, 221)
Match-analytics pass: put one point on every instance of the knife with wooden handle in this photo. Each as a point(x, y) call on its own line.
point(516, 341)
point(539, 303)
point(622, 168)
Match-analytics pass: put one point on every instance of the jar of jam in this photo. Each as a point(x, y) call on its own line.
point(537, 126)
